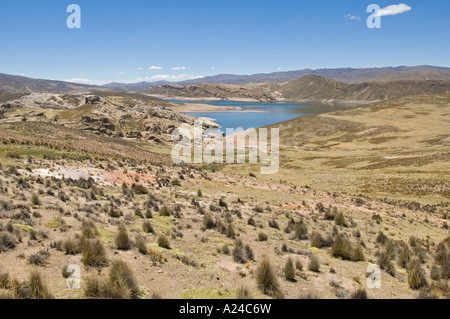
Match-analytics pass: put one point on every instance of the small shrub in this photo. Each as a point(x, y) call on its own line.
point(39, 258)
point(7, 241)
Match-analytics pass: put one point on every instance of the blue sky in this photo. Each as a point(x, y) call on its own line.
point(121, 40)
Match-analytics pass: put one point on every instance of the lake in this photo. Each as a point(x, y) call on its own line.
point(267, 113)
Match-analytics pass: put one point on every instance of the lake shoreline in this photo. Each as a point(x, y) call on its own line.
point(208, 108)
point(281, 100)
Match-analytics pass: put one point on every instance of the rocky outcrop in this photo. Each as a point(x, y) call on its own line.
point(98, 126)
point(92, 100)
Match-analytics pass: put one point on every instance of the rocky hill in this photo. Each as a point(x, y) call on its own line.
point(307, 88)
point(21, 84)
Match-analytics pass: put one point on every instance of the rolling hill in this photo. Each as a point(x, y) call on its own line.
point(21, 84)
point(307, 88)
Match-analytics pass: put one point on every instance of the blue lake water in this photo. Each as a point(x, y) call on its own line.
point(271, 112)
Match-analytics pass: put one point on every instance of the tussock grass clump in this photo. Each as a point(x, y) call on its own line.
point(435, 272)
point(35, 200)
point(358, 253)
point(266, 278)
point(163, 242)
point(121, 284)
point(7, 241)
point(427, 293)
point(359, 294)
point(298, 265)
point(121, 239)
point(208, 222)
point(147, 227)
point(385, 262)
point(33, 288)
point(442, 257)
point(339, 219)
point(241, 253)
point(309, 294)
point(274, 224)
point(262, 236)
point(314, 263)
point(4, 281)
point(94, 254)
point(416, 275)
point(72, 246)
point(88, 229)
point(122, 275)
point(343, 248)
point(300, 230)
point(318, 241)
point(231, 233)
point(141, 245)
point(243, 293)
point(114, 213)
point(381, 238)
point(289, 270)
point(139, 189)
point(164, 211)
point(404, 255)
point(38, 289)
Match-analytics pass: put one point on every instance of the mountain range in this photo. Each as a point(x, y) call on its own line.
point(331, 85)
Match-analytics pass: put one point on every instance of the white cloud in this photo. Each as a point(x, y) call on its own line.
point(121, 73)
point(394, 10)
point(213, 68)
point(179, 68)
point(155, 68)
point(179, 77)
point(279, 68)
point(352, 17)
point(159, 77)
point(140, 68)
point(88, 82)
